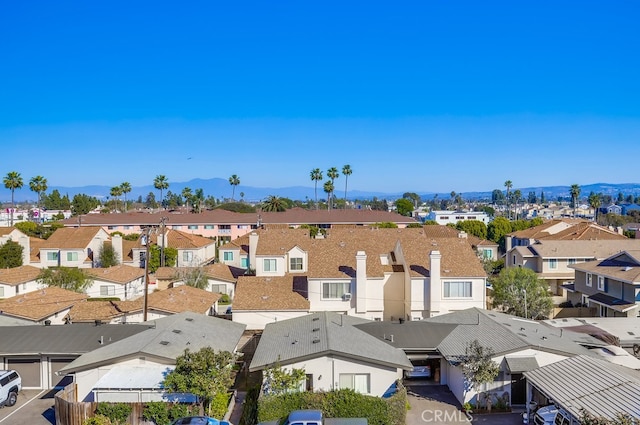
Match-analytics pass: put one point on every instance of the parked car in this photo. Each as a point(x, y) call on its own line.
point(419, 372)
point(10, 385)
point(199, 420)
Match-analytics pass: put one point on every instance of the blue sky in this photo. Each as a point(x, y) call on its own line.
point(421, 96)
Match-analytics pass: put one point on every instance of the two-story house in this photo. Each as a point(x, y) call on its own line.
point(18, 280)
point(612, 284)
point(72, 247)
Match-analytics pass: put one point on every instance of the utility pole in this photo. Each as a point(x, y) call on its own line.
point(162, 230)
point(146, 273)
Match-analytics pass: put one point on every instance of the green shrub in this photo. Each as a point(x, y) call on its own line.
point(118, 413)
point(224, 299)
point(97, 420)
point(177, 411)
point(156, 411)
point(219, 405)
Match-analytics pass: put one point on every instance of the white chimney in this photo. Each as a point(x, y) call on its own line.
point(361, 282)
point(253, 246)
point(435, 282)
point(116, 243)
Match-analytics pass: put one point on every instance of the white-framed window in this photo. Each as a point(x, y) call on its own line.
point(269, 264)
point(601, 283)
point(334, 290)
point(219, 288)
point(359, 382)
point(244, 262)
point(107, 290)
point(193, 227)
point(176, 227)
point(487, 253)
point(553, 263)
point(295, 263)
point(187, 256)
point(589, 279)
point(457, 289)
point(52, 256)
point(571, 261)
point(209, 226)
point(72, 256)
point(228, 256)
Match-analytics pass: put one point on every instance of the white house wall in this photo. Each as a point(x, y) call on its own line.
point(393, 296)
point(281, 266)
point(257, 320)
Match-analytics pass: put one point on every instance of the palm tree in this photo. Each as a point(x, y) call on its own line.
point(38, 184)
point(575, 193)
point(316, 176)
point(508, 184)
point(234, 181)
point(116, 191)
point(346, 171)
point(328, 188)
point(125, 187)
point(13, 181)
point(273, 204)
point(333, 174)
point(161, 183)
point(186, 194)
point(517, 196)
point(594, 202)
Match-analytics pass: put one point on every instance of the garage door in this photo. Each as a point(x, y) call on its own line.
point(55, 380)
point(29, 370)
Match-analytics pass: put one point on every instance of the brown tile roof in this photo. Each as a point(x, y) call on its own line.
point(586, 231)
point(71, 237)
point(439, 231)
point(90, 311)
point(6, 230)
point(18, 275)
point(213, 271)
point(545, 228)
point(40, 304)
point(595, 248)
point(117, 274)
point(182, 298)
point(182, 240)
point(268, 294)
point(34, 247)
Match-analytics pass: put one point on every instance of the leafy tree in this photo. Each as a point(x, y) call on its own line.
point(328, 188)
point(278, 380)
point(542, 197)
point(118, 413)
point(620, 197)
point(187, 195)
point(56, 202)
point(71, 278)
point(273, 204)
point(385, 225)
point(497, 197)
point(29, 228)
point(532, 198)
point(170, 257)
point(161, 183)
point(131, 237)
point(430, 223)
point(241, 207)
point(379, 205)
point(478, 366)
point(11, 255)
point(316, 176)
point(414, 225)
point(234, 181)
point(404, 207)
point(414, 197)
point(198, 199)
point(13, 181)
point(107, 257)
point(82, 204)
point(519, 291)
point(125, 187)
point(38, 184)
point(497, 229)
point(487, 209)
point(473, 227)
point(346, 172)
point(195, 277)
point(204, 373)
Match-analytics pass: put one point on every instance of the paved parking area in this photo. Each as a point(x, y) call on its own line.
point(436, 404)
point(34, 407)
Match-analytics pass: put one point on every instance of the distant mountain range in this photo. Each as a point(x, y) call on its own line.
point(221, 189)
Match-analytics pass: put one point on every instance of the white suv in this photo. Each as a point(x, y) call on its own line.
point(10, 385)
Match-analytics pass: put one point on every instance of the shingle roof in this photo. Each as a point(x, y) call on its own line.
point(323, 334)
point(412, 335)
point(18, 275)
point(519, 364)
point(181, 299)
point(165, 340)
point(121, 274)
point(217, 271)
point(34, 249)
point(621, 266)
point(182, 240)
point(90, 311)
point(71, 237)
point(598, 249)
point(583, 382)
point(40, 304)
point(268, 293)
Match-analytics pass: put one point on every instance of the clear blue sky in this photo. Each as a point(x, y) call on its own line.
point(414, 95)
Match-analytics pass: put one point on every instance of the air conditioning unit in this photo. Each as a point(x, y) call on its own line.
point(346, 296)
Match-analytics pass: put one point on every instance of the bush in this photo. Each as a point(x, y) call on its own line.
point(118, 413)
point(219, 405)
point(224, 299)
point(566, 304)
point(97, 420)
point(156, 411)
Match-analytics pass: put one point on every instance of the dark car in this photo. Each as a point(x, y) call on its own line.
point(199, 420)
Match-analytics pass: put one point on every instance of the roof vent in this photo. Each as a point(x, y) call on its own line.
point(315, 319)
point(177, 331)
point(164, 342)
point(316, 329)
point(316, 340)
point(189, 319)
point(626, 269)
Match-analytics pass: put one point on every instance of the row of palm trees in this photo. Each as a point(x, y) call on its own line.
point(329, 186)
point(13, 180)
point(122, 189)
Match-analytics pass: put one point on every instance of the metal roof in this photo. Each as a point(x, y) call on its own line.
point(583, 382)
point(148, 377)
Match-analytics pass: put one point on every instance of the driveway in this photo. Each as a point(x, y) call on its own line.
point(436, 404)
point(34, 407)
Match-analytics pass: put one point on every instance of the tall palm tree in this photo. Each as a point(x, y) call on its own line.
point(346, 172)
point(595, 202)
point(333, 174)
point(13, 181)
point(234, 181)
point(517, 196)
point(116, 191)
point(575, 193)
point(186, 194)
point(38, 184)
point(316, 176)
point(328, 188)
point(273, 204)
point(125, 187)
point(161, 183)
point(508, 184)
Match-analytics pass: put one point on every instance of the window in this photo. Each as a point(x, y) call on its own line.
point(553, 263)
point(228, 256)
point(602, 284)
point(126, 227)
point(572, 261)
point(296, 264)
point(52, 256)
point(72, 256)
point(193, 227)
point(176, 227)
point(209, 226)
point(457, 289)
point(589, 279)
point(187, 256)
point(107, 290)
point(244, 262)
point(224, 226)
point(269, 264)
point(486, 254)
point(358, 382)
point(219, 288)
point(334, 290)
point(514, 260)
point(112, 227)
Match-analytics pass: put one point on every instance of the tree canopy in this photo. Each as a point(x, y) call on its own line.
point(71, 278)
point(473, 227)
point(11, 255)
point(518, 290)
point(478, 366)
point(107, 257)
point(404, 206)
